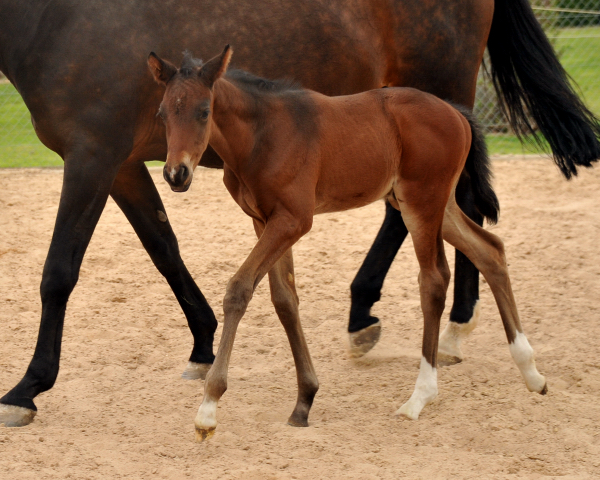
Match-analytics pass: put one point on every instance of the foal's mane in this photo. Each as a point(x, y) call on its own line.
point(258, 85)
point(248, 82)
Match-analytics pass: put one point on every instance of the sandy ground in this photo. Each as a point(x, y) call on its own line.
point(120, 410)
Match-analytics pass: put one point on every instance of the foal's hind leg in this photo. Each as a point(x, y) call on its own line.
point(486, 251)
point(424, 222)
point(285, 301)
point(465, 311)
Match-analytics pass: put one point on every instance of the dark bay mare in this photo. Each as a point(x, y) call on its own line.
point(81, 69)
point(290, 154)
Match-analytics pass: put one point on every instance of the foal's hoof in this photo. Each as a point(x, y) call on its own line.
point(195, 371)
point(297, 421)
point(204, 433)
point(13, 416)
point(544, 390)
point(364, 340)
point(409, 411)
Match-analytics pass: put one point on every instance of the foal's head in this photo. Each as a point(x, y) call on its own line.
point(186, 111)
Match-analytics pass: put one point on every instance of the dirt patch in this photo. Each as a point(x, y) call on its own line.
point(120, 410)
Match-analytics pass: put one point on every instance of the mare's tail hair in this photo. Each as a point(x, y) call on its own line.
point(529, 79)
point(477, 167)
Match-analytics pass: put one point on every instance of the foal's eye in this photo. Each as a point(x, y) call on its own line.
point(203, 115)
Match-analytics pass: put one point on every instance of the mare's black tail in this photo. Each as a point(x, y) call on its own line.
point(477, 167)
point(530, 80)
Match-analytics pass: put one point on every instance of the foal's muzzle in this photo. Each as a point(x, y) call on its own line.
point(179, 178)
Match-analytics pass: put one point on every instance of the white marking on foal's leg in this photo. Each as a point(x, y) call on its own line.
point(13, 416)
point(449, 351)
point(425, 391)
point(523, 355)
point(206, 419)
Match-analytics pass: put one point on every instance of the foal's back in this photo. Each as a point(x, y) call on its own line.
point(371, 141)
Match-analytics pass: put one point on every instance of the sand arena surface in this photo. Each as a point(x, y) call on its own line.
point(120, 410)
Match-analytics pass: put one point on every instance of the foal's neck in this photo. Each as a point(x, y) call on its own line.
point(233, 123)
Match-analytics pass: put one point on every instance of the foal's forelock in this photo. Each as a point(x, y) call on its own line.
point(189, 65)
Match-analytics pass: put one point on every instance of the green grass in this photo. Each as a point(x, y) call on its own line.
point(579, 50)
point(19, 146)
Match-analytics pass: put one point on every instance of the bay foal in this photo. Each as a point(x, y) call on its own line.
point(291, 153)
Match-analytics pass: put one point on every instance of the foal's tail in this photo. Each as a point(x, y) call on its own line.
point(477, 167)
point(532, 84)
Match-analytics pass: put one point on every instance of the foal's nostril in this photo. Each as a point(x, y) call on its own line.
point(182, 175)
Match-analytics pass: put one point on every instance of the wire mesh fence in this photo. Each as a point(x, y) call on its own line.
point(573, 27)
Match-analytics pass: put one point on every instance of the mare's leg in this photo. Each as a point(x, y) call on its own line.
point(135, 193)
point(280, 233)
point(365, 329)
point(465, 312)
point(424, 217)
point(285, 301)
point(486, 251)
point(88, 177)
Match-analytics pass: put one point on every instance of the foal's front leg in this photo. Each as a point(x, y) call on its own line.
point(281, 232)
point(285, 301)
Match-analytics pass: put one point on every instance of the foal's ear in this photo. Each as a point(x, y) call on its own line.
point(161, 70)
point(216, 67)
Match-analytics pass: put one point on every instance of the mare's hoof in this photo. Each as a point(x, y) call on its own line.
point(204, 433)
point(544, 390)
point(444, 359)
point(195, 371)
point(13, 416)
point(364, 340)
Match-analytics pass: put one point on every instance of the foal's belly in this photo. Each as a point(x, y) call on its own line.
point(348, 185)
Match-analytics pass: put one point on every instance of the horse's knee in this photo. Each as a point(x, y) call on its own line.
point(238, 295)
point(445, 275)
point(284, 302)
point(165, 256)
point(58, 281)
point(434, 285)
